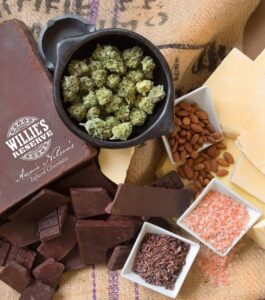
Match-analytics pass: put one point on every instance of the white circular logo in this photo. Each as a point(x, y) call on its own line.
point(29, 138)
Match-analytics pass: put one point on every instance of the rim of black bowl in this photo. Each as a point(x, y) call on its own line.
point(145, 135)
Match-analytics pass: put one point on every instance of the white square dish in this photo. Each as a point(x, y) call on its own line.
point(128, 273)
point(216, 185)
point(202, 97)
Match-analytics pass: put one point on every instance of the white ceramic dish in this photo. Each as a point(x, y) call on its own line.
point(202, 97)
point(216, 185)
point(128, 273)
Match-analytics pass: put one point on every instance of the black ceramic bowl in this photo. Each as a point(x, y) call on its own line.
point(156, 125)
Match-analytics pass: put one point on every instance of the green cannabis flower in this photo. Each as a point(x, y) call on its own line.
point(97, 128)
point(86, 84)
point(95, 65)
point(70, 87)
point(113, 81)
point(133, 57)
point(146, 105)
point(137, 117)
point(112, 121)
point(77, 112)
point(122, 131)
point(104, 95)
point(123, 113)
point(90, 100)
point(127, 90)
point(99, 77)
point(114, 104)
point(143, 87)
point(156, 93)
point(148, 66)
point(78, 67)
point(93, 112)
point(135, 75)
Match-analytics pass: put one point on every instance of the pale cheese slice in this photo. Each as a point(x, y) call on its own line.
point(260, 60)
point(257, 233)
point(238, 91)
point(114, 163)
point(252, 144)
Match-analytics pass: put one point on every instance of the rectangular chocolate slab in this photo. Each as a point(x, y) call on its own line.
point(37, 291)
point(171, 180)
point(39, 205)
point(22, 256)
point(150, 201)
point(36, 147)
point(73, 260)
point(119, 257)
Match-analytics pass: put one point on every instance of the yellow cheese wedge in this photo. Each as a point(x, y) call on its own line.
point(238, 91)
point(257, 233)
point(114, 163)
point(246, 176)
point(260, 60)
point(252, 144)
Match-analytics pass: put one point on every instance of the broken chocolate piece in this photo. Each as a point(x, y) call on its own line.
point(89, 202)
point(150, 201)
point(171, 180)
point(37, 146)
point(119, 257)
point(20, 234)
point(23, 256)
point(88, 176)
point(37, 291)
point(73, 261)
point(49, 272)
point(51, 225)
point(59, 247)
point(95, 238)
point(4, 249)
point(39, 206)
point(16, 276)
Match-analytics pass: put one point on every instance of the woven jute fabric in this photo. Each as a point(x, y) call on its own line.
point(194, 36)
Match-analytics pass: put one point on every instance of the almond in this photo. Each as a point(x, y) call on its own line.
point(177, 121)
point(181, 147)
point(200, 140)
point(181, 172)
point(177, 108)
point(182, 113)
point(178, 128)
point(194, 118)
point(176, 156)
point(182, 140)
point(209, 176)
point(186, 121)
point(198, 167)
point(201, 179)
point(201, 114)
point(197, 184)
point(211, 151)
point(194, 154)
point(222, 172)
point(174, 147)
point(196, 127)
point(185, 106)
point(211, 140)
point(207, 165)
point(203, 173)
point(195, 105)
point(188, 171)
point(205, 139)
point(222, 162)
point(217, 135)
point(205, 155)
point(183, 155)
point(183, 132)
point(195, 139)
point(206, 181)
point(229, 157)
point(174, 132)
point(195, 175)
point(188, 148)
point(188, 136)
point(221, 146)
point(210, 128)
point(214, 165)
point(190, 162)
point(199, 160)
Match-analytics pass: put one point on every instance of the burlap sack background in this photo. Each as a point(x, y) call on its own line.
point(194, 35)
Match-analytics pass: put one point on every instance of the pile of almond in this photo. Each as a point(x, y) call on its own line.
point(192, 130)
point(199, 170)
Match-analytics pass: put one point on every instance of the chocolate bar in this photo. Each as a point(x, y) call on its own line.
point(51, 225)
point(89, 202)
point(39, 206)
point(95, 238)
point(4, 250)
point(16, 276)
point(37, 147)
point(86, 177)
point(37, 291)
point(59, 247)
point(20, 234)
point(171, 180)
point(73, 260)
point(22, 256)
point(150, 201)
point(49, 272)
point(119, 257)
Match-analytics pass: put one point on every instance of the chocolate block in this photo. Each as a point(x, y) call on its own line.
point(37, 147)
point(51, 225)
point(73, 260)
point(49, 272)
point(39, 206)
point(59, 247)
point(16, 276)
point(119, 257)
point(20, 234)
point(23, 256)
point(86, 177)
point(95, 238)
point(171, 180)
point(150, 201)
point(4, 250)
point(89, 202)
point(37, 291)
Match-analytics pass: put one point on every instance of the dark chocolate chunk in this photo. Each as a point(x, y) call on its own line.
point(37, 147)
point(89, 202)
point(73, 260)
point(88, 176)
point(4, 250)
point(16, 276)
point(37, 291)
point(59, 247)
point(20, 234)
point(171, 180)
point(49, 272)
point(119, 257)
point(51, 225)
point(39, 206)
point(150, 201)
point(23, 256)
point(95, 238)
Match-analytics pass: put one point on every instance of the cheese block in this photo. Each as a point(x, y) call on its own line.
point(246, 176)
point(238, 91)
point(257, 233)
point(114, 163)
point(260, 60)
point(252, 144)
